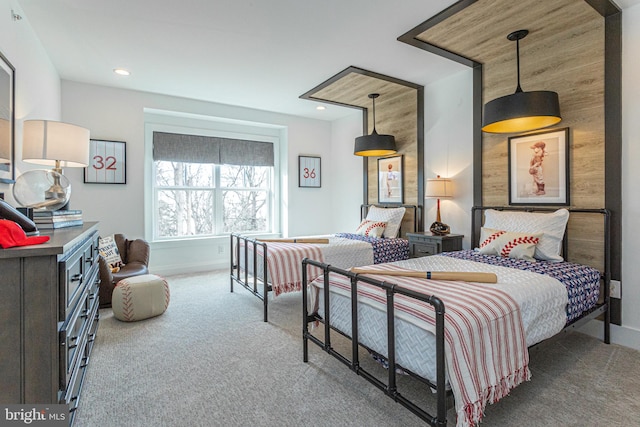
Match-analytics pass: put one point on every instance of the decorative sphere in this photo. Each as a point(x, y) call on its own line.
point(42, 189)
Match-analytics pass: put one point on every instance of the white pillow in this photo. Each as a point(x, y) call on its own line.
point(508, 244)
point(109, 251)
point(552, 225)
point(371, 228)
point(392, 216)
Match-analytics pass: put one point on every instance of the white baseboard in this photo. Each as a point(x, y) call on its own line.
point(621, 335)
point(170, 270)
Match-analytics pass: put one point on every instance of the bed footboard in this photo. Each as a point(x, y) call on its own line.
point(390, 388)
point(244, 267)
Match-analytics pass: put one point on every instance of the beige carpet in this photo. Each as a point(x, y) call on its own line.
point(211, 361)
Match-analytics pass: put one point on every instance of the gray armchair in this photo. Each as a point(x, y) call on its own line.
point(135, 257)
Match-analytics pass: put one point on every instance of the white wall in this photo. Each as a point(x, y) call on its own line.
point(448, 135)
point(346, 181)
point(37, 82)
point(118, 114)
point(629, 333)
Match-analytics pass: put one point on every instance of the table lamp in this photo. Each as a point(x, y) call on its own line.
point(439, 188)
point(52, 143)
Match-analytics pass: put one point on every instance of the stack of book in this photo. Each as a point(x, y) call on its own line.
point(57, 219)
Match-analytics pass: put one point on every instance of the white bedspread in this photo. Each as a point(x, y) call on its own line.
point(542, 301)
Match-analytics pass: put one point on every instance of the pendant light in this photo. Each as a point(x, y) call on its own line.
point(375, 144)
point(521, 111)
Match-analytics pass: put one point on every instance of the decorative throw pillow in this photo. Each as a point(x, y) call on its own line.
point(392, 216)
point(508, 244)
point(552, 225)
point(109, 251)
point(371, 228)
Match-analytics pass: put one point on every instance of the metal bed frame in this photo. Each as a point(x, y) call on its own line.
point(258, 284)
point(444, 397)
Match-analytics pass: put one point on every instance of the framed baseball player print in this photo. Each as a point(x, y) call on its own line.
point(539, 168)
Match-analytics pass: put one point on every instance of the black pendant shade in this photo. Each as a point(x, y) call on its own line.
point(521, 111)
point(374, 144)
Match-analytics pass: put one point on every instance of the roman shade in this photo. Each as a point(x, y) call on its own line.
point(175, 147)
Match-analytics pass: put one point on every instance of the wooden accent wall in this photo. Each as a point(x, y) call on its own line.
point(567, 59)
point(564, 52)
point(398, 113)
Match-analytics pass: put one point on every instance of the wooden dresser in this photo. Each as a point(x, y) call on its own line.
point(49, 317)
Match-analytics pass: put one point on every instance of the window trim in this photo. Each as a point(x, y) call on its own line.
point(216, 127)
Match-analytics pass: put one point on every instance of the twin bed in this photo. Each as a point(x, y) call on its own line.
point(263, 267)
point(463, 339)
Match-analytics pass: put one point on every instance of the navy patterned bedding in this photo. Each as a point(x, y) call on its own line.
point(384, 250)
point(582, 282)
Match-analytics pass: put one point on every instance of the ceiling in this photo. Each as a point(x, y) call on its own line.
point(250, 53)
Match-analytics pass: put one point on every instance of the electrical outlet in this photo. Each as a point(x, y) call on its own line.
point(220, 249)
point(615, 288)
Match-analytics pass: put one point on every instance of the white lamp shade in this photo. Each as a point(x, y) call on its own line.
point(5, 141)
point(45, 142)
point(439, 188)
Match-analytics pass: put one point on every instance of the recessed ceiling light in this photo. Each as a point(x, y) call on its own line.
point(121, 71)
point(321, 107)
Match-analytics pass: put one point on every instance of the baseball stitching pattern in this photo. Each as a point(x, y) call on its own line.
point(506, 249)
point(127, 301)
point(491, 238)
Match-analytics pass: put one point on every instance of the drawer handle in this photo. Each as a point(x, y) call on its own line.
point(70, 340)
point(76, 277)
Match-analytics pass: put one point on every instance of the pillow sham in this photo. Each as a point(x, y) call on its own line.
point(552, 225)
point(392, 216)
point(109, 251)
point(371, 228)
point(508, 244)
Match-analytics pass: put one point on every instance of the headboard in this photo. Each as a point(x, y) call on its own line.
point(410, 222)
point(587, 238)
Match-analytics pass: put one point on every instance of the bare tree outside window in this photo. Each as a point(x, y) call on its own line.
point(205, 199)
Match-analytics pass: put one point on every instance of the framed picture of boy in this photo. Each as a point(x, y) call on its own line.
point(539, 168)
point(390, 180)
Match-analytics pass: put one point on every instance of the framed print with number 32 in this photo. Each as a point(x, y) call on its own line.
point(309, 171)
point(107, 162)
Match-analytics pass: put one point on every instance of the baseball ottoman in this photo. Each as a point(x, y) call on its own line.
point(140, 297)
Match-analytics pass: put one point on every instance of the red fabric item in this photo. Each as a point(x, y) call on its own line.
point(11, 234)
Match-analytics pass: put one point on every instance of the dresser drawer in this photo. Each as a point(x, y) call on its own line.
point(71, 395)
point(74, 272)
point(90, 254)
point(72, 342)
point(424, 249)
point(76, 331)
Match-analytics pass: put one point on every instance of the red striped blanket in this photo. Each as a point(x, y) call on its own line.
point(485, 347)
point(284, 262)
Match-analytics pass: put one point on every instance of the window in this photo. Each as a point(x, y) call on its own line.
point(208, 186)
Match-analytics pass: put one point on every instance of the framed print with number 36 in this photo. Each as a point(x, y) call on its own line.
point(309, 171)
point(107, 162)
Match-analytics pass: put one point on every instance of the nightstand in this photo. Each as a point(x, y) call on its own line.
point(425, 243)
